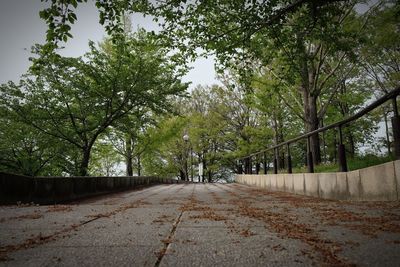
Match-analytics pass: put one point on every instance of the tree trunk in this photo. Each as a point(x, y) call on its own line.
point(83, 168)
point(238, 167)
point(128, 156)
point(278, 139)
point(257, 167)
point(324, 156)
point(282, 151)
point(311, 124)
point(352, 146)
point(282, 160)
point(129, 170)
point(209, 177)
point(335, 145)
point(182, 175)
point(139, 166)
point(387, 134)
point(204, 167)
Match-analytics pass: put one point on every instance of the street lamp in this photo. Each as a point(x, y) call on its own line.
point(186, 139)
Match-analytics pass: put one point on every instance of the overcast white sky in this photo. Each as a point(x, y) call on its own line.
point(21, 27)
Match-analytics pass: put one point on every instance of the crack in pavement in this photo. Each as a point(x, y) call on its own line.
point(168, 241)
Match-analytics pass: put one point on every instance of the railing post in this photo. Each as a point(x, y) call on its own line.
point(276, 160)
point(289, 159)
point(265, 163)
point(310, 162)
point(396, 129)
point(342, 152)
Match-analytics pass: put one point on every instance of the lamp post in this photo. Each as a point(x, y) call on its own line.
point(191, 162)
point(186, 139)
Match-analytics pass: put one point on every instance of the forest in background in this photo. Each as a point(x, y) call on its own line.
point(286, 68)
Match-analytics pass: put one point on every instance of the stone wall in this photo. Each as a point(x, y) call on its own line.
point(49, 190)
point(380, 182)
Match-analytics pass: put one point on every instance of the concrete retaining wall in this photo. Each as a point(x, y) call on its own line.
point(50, 190)
point(380, 182)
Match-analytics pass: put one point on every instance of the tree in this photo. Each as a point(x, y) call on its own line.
point(164, 155)
point(224, 126)
point(380, 55)
point(190, 17)
point(105, 160)
point(129, 138)
point(76, 99)
point(24, 150)
point(280, 116)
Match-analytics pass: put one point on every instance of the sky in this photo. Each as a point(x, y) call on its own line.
point(21, 27)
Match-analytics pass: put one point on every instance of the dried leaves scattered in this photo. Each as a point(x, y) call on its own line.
point(288, 227)
point(163, 219)
point(246, 233)
point(132, 205)
point(340, 213)
point(35, 241)
point(281, 216)
point(32, 216)
point(209, 215)
point(59, 208)
point(65, 232)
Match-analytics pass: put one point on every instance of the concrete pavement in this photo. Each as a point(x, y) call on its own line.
point(201, 225)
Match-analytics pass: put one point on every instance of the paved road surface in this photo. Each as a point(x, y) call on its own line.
point(201, 225)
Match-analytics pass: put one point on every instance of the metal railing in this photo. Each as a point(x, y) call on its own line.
point(247, 160)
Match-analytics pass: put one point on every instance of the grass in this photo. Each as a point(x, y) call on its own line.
point(352, 164)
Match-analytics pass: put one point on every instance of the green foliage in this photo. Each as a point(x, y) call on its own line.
point(165, 154)
point(286, 68)
point(25, 151)
point(76, 99)
point(381, 53)
point(104, 160)
point(60, 16)
point(220, 126)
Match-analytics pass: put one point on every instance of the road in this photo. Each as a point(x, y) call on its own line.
point(201, 225)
